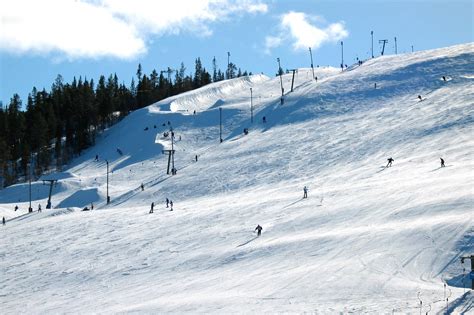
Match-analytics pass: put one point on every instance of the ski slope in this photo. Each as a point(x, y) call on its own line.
point(368, 239)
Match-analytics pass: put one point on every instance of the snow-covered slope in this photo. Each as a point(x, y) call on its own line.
point(367, 239)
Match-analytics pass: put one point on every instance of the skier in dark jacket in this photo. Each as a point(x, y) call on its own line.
point(442, 162)
point(390, 160)
point(151, 207)
point(167, 202)
point(3, 221)
point(171, 205)
point(259, 230)
point(305, 192)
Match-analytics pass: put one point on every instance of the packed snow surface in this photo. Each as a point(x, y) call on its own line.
point(368, 239)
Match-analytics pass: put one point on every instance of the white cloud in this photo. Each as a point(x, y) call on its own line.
point(117, 28)
point(272, 42)
point(296, 27)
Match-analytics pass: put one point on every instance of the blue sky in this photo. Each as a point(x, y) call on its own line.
point(92, 37)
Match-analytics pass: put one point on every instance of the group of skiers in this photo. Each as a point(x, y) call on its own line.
point(169, 204)
point(30, 209)
point(390, 160)
point(87, 209)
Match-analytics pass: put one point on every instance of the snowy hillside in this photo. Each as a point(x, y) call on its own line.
point(368, 239)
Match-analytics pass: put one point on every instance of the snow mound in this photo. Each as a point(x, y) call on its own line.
point(203, 98)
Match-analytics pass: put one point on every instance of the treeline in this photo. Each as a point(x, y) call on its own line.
point(57, 125)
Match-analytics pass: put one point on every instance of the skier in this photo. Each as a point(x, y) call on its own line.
point(196, 158)
point(3, 221)
point(420, 98)
point(92, 206)
point(259, 230)
point(444, 78)
point(167, 202)
point(39, 208)
point(305, 192)
point(16, 207)
point(96, 157)
point(151, 207)
point(171, 205)
point(142, 187)
point(375, 85)
point(390, 160)
point(442, 162)
point(264, 119)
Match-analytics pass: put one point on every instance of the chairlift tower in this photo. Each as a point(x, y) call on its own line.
point(51, 183)
point(280, 70)
point(30, 209)
point(228, 65)
point(108, 197)
point(170, 154)
point(383, 41)
point(342, 55)
point(293, 78)
point(372, 35)
point(311, 55)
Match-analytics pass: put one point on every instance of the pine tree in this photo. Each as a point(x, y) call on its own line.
point(232, 71)
point(214, 70)
point(197, 81)
point(139, 72)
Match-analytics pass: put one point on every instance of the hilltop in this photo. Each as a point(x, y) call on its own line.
point(368, 239)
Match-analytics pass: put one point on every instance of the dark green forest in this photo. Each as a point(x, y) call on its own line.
point(55, 126)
